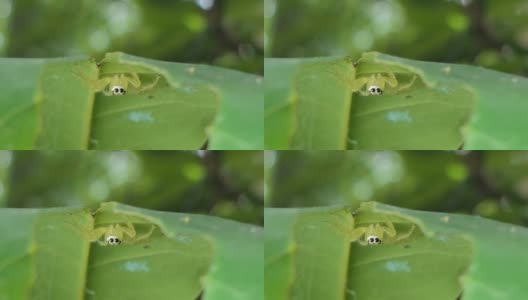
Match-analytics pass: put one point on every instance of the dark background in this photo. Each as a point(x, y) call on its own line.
point(228, 184)
point(226, 33)
point(492, 184)
point(488, 33)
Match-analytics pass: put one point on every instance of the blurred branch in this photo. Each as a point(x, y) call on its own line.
point(478, 177)
point(480, 27)
point(216, 27)
point(220, 183)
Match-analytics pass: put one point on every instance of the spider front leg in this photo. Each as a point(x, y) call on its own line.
point(150, 86)
point(390, 79)
point(359, 83)
point(130, 231)
point(350, 232)
point(96, 234)
point(357, 233)
point(145, 235)
point(408, 85)
point(391, 231)
point(99, 85)
point(406, 235)
point(135, 81)
point(387, 229)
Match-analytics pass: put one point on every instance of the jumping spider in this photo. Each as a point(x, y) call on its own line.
point(375, 84)
point(115, 234)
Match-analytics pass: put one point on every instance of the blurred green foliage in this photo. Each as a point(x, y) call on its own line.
point(489, 33)
point(492, 184)
point(226, 33)
point(222, 183)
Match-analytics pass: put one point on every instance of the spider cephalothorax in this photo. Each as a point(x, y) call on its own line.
point(375, 90)
point(113, 240)
point(118, 90)
point(373, 240)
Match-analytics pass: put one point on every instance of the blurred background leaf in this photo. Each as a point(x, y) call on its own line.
point(493, 34)
point(228, 184)
point(226, 33)
point(492, 184)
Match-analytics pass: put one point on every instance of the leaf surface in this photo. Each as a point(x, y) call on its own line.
point(50, 256)
point(60, 104)
point(323, 103)
point(447, 255)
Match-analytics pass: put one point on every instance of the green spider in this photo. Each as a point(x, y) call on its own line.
point(375, 233)
point(375, 84)
point(115, 234)
point(368, 84)
point(117, 85)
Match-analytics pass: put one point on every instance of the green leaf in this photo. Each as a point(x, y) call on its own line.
point(499, 257)
point(57, 104)
point(65, 104)
point(238, 124)
point(446, 255)
point(49, 256)
point(19, 118)
point(498, 116)
point(305, 258)
point(316, 104)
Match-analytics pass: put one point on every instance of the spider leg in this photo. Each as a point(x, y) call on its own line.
point(150, 86)
point(388, 228)
point(363, 242)
point(128, 229)
point(133, 80)
point(102, 243)
point(358, 84)
point(390, 79)
point(407, 85)
point(98, 85)
point(405, 235)
point(104, 85)
point(145, 235)
point(107, 92)
point(346, 76)
point(346, 228)
point(356, 233)
point(364, 93)
point(97, 233)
